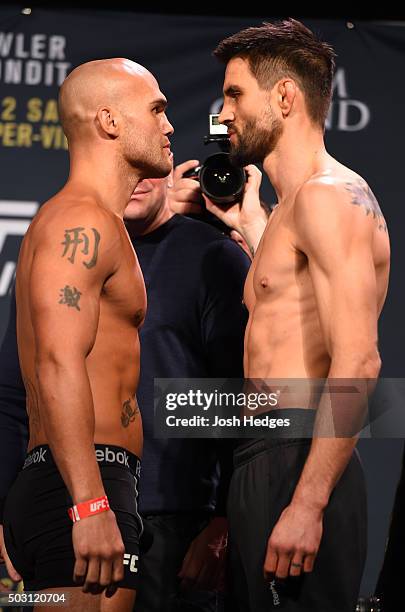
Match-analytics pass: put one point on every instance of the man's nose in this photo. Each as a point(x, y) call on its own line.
point(226, 115)
point(168, 128)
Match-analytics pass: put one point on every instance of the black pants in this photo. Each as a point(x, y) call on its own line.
point(390, 584)
point(164, 544)
point(38, 530)
point(265, 477)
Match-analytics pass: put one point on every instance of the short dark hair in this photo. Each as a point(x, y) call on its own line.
point(286, 48)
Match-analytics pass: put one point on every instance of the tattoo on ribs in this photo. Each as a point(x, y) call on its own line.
point(32, 401)
point(363, 196)
point(70, 296)
point(79, 236)
point(128, 414)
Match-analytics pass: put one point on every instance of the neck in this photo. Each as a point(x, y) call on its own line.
point(141, 227)
point(298, 155)
point(105, 176)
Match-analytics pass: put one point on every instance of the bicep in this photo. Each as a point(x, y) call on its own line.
point(64, 303)
point(345, 293)
point(337, 240)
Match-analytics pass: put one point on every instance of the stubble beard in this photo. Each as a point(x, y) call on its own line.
point(257, 140)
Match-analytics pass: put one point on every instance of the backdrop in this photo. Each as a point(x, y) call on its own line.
point(365, 130)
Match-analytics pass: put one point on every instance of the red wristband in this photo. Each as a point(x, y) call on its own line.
point(88, 508)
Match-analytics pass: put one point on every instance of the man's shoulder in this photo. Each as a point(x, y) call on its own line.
point(341, 182)
point(335, 194)
point(65, 213)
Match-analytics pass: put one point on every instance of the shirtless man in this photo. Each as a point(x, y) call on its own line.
point(80, 302)
point(314, 293)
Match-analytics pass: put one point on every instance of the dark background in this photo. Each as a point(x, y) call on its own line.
point(177, 49)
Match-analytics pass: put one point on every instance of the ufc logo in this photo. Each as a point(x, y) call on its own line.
point(98, 504)
point(15, 217)
point(131, 561)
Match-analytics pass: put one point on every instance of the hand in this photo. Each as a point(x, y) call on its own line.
point(99, 552)
point(204, 564)
point(239, 239)
point(247, 217)
point(294, 542)
point(185, 195)
point(4, 558)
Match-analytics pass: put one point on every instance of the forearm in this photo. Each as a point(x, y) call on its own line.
point(323, 468)
point(253, 232)
point(67, 412)
point(341, 413)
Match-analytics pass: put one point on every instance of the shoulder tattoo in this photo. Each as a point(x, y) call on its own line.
point(361, 195)
point(88, 240)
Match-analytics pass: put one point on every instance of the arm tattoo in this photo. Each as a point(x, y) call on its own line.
point(32, 402)
point(79, 236)
point(70, 296)
point(128, 414)
point(362, 195)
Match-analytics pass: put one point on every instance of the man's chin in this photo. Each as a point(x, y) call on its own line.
point(158, 171)
point(241, 159)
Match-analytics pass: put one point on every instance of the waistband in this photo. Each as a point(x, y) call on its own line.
point(299, 432)
point(106, 454)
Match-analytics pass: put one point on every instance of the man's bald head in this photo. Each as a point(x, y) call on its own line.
point(95, 84)
point(115, 107)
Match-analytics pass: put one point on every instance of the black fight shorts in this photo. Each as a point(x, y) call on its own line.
point(263, 483)
point(38, 530)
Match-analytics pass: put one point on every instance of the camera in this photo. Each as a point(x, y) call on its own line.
point(220, 181)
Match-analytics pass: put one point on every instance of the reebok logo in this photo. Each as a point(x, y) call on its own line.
point(276, 598)
point(36, 457)
point(110, 456)
point(131, 561)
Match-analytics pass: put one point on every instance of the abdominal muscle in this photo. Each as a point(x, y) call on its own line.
point(285, 355)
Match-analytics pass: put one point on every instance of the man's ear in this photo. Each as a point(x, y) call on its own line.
point(107, 121)
point(286, 94)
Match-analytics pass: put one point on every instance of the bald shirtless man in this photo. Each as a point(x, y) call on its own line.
point(80, 302)
point(314, 292)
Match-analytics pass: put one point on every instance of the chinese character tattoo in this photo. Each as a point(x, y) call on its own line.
point(79, 236)
point(70, 296)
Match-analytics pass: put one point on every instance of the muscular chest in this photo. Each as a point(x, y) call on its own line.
point(124, 293)
point(277, 267)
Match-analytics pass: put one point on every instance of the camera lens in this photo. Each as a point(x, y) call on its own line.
point(220, 180)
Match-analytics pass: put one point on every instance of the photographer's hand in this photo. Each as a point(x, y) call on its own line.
point(247, 217)
point(185, 195)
